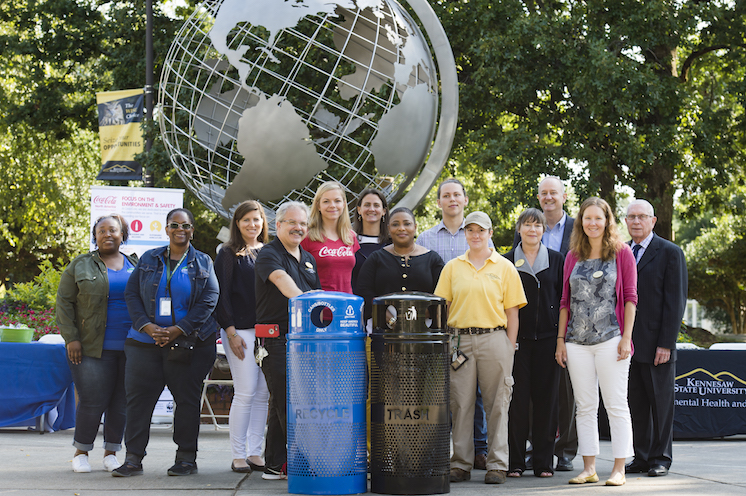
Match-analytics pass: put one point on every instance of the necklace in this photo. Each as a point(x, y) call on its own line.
point(405, 255)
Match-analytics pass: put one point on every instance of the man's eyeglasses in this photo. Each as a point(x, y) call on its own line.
point(185, 226)
point(293, 223)
point(640, 217)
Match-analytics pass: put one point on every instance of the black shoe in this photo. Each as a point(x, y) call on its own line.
point(564, 464)
point(635, 467)
point(657, 471)
point(254, 466)
point(126, 470)
point(183, 468)
point(480, 462)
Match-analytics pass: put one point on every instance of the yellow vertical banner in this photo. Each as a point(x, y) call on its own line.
point(120, 114)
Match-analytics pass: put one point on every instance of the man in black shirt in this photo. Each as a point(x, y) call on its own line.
point(283, 270)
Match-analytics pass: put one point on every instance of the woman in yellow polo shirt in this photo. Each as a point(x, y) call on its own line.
point(484, 293)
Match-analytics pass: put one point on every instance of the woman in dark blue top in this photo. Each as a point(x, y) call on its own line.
point(171, 297)
point(93, 320)
point(236, 314)
point(371, 226)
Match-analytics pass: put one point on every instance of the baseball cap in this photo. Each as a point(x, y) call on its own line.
point(479, 218)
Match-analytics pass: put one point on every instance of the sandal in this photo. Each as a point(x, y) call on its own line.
point(516, 472)
point(544, 473)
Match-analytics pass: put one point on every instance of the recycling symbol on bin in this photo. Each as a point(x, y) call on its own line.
point(349, 312)
point(411, 313)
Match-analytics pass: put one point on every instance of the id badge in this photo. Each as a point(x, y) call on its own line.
point(164, 307)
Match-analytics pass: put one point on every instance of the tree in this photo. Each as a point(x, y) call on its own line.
point(716, 260)
point(648, 94)
point(56, 55)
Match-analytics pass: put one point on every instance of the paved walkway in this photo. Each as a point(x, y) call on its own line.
point(34, 464)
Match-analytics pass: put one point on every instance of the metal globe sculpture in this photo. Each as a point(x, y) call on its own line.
point(266, 99)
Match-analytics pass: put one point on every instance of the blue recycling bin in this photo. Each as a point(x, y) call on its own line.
point(326, 392)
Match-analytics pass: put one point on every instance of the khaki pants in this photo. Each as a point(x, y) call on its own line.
point(491, 364)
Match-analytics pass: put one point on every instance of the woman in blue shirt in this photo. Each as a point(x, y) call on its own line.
point(171, 297)
point(93, 320)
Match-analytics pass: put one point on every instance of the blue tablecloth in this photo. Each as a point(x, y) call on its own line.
point(34, 380)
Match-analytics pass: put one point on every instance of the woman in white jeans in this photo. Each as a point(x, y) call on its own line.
point(597, 312)
point(236, 314)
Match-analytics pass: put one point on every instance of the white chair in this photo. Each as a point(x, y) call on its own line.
point(205, 401)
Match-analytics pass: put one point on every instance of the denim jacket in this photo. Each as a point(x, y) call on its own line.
point(143, 286)
point(82, 302)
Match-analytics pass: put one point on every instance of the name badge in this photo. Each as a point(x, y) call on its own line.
point(164, 307)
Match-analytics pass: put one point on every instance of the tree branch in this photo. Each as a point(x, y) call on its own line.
point(684, 76)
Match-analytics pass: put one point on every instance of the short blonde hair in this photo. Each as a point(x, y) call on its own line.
point(315, 224)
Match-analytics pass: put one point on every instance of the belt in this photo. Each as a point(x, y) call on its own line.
point(474, 330)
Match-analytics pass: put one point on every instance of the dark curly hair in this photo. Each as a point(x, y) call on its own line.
point(123, 225)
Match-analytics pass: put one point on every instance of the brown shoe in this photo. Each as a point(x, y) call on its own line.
point(495, 477)
point(480, 462)
point(460, 475)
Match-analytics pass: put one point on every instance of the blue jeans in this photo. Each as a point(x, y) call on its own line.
point(148, 370)
point(480, 426)
point(100, 386)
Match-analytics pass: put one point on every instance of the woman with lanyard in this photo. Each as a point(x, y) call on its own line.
point(92, 317)
point(171, 297)
point(236, 314)
point(484, 293)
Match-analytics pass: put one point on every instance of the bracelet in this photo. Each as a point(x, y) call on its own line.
point(560, 337)
point(233, 335)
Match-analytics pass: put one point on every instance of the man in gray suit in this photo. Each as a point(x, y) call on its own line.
point(662, 290)
point(552, 199)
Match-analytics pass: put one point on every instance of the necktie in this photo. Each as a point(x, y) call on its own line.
point(635, 251)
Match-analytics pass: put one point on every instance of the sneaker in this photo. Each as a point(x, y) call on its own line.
point(273, 474)
point(459, 475)
point(126, 470)
point(80, 464)
point(495, 477)
point(111, 462)
point(183, 468)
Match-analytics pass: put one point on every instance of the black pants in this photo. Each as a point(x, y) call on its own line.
point(147, 371)
point(274, 367)
point(651, 404)
point(536, 375)
point(567, 442)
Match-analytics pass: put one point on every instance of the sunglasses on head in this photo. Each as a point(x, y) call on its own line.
point(185, 226)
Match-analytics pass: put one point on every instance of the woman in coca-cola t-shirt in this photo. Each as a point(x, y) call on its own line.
point(331, 240)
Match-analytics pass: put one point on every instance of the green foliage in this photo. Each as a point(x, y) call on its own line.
point(716, 260)
point(33, 303)
point(644, 94)
point(41, 293)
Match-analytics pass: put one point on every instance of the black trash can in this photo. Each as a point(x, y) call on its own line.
point(410, 394)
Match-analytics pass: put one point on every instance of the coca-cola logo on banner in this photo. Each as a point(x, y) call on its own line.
point(342, 251)
point(104, 201)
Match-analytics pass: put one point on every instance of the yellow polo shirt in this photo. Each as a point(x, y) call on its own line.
point(479, 297)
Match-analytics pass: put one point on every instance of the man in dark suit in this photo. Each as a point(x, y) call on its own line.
point(552, 199)
point(662, 290)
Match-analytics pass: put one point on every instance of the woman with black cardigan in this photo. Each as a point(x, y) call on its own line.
point(535, 372)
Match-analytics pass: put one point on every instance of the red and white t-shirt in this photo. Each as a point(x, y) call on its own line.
point(334, 262)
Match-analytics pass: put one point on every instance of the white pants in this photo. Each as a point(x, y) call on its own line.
point(248, 415)
point(589, 367)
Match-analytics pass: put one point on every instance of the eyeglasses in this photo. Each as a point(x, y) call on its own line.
point(293, 223)
point(185, 226)
point(641, 217)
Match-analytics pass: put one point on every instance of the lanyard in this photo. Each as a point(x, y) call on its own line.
point(169, 274)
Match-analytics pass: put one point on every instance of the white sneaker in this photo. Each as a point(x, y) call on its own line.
point(111, 462)
point(80, 464)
